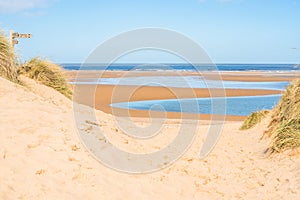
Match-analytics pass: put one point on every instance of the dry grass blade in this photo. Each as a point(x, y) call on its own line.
point(287, 136)
point(8, 67)
point(285, 123)
point(47, 73)
point(253, 119)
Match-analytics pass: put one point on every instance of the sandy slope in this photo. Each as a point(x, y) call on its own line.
point(41, 157)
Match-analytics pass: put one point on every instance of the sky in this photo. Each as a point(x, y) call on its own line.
point(230, 31)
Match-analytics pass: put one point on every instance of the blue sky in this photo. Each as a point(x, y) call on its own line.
point(231, 31)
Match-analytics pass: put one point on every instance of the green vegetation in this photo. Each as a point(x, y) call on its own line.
point(8, 67)
point(46, 73)
point(253, 119)
point(285, 123)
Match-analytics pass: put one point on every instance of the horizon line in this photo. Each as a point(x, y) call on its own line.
point(183, 63)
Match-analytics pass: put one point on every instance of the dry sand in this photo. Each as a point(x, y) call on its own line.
point(41, 157)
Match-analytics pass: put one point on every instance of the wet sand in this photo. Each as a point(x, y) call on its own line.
point(249, 76)
point(107, 94)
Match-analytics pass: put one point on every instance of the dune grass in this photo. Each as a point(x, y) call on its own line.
point(47, 73)
point(287, 136)
point(285, 123)
point(253, 119)
point(43, 71)
point(8, 68)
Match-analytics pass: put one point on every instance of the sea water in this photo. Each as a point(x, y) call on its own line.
point(182, 67)
point(241, 106)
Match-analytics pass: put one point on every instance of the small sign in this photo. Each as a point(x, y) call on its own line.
point(14, 35)
point(19, 35)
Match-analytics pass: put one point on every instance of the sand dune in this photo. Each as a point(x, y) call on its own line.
point(41, 157)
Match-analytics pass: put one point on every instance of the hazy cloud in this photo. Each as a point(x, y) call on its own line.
point(14, 6)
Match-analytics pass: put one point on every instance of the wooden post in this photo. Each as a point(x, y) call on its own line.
point(11, 38)
point(14, 35)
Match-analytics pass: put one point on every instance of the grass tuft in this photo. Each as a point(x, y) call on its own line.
point(285, 123)
point(47, 73)
point(253, 119)
point(287, 136)
point(8, 68)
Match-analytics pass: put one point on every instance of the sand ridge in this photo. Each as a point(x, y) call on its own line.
point(41, 157)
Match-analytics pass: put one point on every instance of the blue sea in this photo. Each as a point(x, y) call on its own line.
point(182, 67)
point(241, 106)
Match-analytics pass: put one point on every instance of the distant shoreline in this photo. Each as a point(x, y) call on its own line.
point(253, 76)
point(184, 67)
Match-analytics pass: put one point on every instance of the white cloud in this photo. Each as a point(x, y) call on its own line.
point(14, 6)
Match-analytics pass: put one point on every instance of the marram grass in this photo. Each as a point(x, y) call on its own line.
point(253, 119)
point(285, 123)
point(8, 68)
point(48, 74)
point(287, 136)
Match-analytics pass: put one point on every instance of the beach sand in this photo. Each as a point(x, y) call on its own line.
point(41, 157)
point(252, 76)
point(107, 94)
